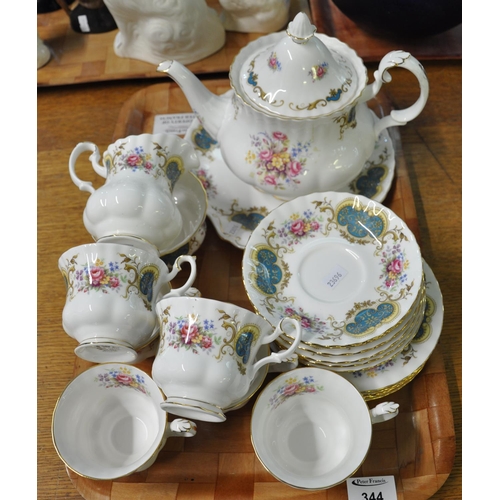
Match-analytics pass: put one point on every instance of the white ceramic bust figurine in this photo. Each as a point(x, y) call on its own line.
point(254, 16)
point(43, 52)
point(155, 30)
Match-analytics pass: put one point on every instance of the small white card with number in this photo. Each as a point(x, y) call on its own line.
point(173, 123)
point(371, 488)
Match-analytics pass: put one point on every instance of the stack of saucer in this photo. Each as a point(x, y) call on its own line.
point(348, 268)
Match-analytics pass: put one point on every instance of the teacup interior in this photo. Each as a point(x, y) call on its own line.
point(311, 440)
point(107, 432)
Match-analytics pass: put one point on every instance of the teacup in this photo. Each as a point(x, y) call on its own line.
point(108, 423)
point(111, 293)
point(136, 199)
point(206, 357)
point(312, 429)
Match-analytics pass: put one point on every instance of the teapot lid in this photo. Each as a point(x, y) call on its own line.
point(301, 75)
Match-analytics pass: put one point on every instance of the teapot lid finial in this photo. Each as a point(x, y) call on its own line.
point(298, 73)
point(300, 29)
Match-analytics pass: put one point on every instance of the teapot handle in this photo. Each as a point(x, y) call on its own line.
point(280, 356)
point(94, 158)
point(401, 59)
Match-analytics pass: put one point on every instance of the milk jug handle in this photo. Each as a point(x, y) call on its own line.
point(399, 59)
point(94, 158)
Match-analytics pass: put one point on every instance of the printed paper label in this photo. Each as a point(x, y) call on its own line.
point(371, 488)
point(173, 123)
point(335, 276)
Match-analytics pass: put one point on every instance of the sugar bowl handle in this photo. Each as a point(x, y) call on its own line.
point(398, 59)
point(94, 158)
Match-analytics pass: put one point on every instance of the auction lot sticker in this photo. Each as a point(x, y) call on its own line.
point(371, 488)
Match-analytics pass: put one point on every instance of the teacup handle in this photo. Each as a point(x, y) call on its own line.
point(401, 59)
point(94, 158)
point(181, 427)
point(184, 289)
point(278, 357)
point(383, 412)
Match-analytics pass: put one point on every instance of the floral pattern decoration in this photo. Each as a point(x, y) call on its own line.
point(273, 62)
point(276, 161)
point(134, 159)
point(318, 71)
point(394, 264)
point(299, 227)
point(206, 180)
point(294, 387)
point(310, 323)
point(100, 277)
point(111, 277)
point(374, 371)
point(122, 377)
point(189, 333)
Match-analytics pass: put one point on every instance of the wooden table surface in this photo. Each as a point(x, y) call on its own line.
point(71, 114)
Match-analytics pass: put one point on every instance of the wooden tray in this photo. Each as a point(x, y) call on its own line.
point(417, 447)
point(330, 21)
point(79, 58)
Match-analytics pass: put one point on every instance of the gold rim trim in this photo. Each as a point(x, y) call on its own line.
point(400, 322)
point(294, 485)
point(386, 391)
point(406, 332)
point(160, 445)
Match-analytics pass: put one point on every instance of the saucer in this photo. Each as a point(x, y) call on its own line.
point(189, 248)
point(348, 267)
point(191, 200)
point(391, 376)
point(235, 208)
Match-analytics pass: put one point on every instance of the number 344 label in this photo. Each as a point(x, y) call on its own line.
point(371, 488)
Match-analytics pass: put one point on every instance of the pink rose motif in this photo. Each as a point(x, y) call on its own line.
point(96, 275)
point(310, 388)
point(206, 342)
point(114, 282)
point(297, 227)
point(273, 62)
point(295, 168)
point(280, 136)
point(148, 165)
point(396, 266)
point(188, 332)
point(314, 225)
point(265, 154)
point(305, 323)
point(134, 160)
point(269, 179)
point(320, 72)
point(124, 379)
point(291, 389)
point(389, 283)
point(289, 311)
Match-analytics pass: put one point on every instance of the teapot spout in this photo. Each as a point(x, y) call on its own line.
point(208, 107)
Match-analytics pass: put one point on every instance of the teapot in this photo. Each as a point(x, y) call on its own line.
point(296, 120)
